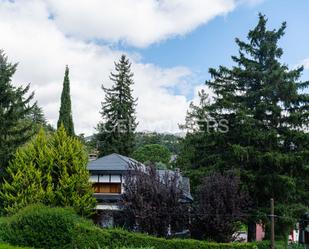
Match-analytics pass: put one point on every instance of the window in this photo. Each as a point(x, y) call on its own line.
point(104, 178)
point(94, 178)
point(115, 178)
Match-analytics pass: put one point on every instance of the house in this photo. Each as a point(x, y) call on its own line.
point(107, 176)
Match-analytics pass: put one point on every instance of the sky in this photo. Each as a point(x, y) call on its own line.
point(171, 44)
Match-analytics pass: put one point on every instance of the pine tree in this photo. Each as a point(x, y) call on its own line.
point(14, 108)
point(65, 112)
point(266, 109)
point(37, 117)
point(116, 131)
point(51, 170)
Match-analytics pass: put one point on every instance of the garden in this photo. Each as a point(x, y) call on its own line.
point(38, 226)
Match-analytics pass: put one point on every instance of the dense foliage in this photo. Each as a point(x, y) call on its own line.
point(65, 112)
point(116, 131)
point(51, 170)
point(170, 141)
point(41, 227)
point(220, 206)
point(38, 118)
point(153, 201)
point(14, 108)
point(152, 153)
point(7, 246)
point(257, 123)
point(59, 228)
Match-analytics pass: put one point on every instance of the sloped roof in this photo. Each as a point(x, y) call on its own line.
point(111, 162)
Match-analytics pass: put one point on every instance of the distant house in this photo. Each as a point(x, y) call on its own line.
point(107, 176)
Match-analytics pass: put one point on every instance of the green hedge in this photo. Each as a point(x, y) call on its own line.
point(7, 246)
point(112, 238)
point(266, 244)
point(43, 227)
point(40, 227)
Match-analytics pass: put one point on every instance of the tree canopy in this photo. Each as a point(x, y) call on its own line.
point(152, 153)
point(263, 104)
point(15, 106)
point(51, 170)
point(152, 201)
point(219, 208)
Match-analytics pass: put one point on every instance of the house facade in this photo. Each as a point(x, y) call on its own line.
point(108, 181)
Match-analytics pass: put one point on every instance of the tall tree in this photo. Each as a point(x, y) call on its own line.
point(51, 169)
point(266, 110)
point(14, 108)
point(65, 112)
point(116, 132)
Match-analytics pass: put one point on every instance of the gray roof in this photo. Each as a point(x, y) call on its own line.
point(112, 162)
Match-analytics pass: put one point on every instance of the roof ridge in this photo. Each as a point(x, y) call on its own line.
point(121, 157)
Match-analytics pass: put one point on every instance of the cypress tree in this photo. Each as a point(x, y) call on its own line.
point(65, 112)
point(14, 108)
point(267, 139)
point(116, 132)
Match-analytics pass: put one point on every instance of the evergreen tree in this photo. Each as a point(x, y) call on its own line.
point(51, 170)
point(14, 108)
point(266, 110)
point(38, 118)
point(37, 115)
point(116, 131)
point(65, 112)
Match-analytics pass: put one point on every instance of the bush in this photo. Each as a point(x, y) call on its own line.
point(115, 238)
point(40, 227)
point(7, 246)
point(265, 244)
point(44, 227)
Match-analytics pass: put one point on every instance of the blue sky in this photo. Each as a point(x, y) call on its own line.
point(171, 44)
point(213, 44)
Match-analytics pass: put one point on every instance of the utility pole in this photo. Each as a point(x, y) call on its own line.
point(272, 217)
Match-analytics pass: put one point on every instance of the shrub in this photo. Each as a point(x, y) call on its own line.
point(265, 244)
point(44, 227)
point(115, 238)
point(40, 227)
point(7, 246)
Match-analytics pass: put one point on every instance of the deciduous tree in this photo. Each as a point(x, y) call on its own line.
point(220, 207)
point(153, 201)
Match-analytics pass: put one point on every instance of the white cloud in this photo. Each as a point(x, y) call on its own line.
point(44, 44)
point(42, 50)
point(135, 22)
